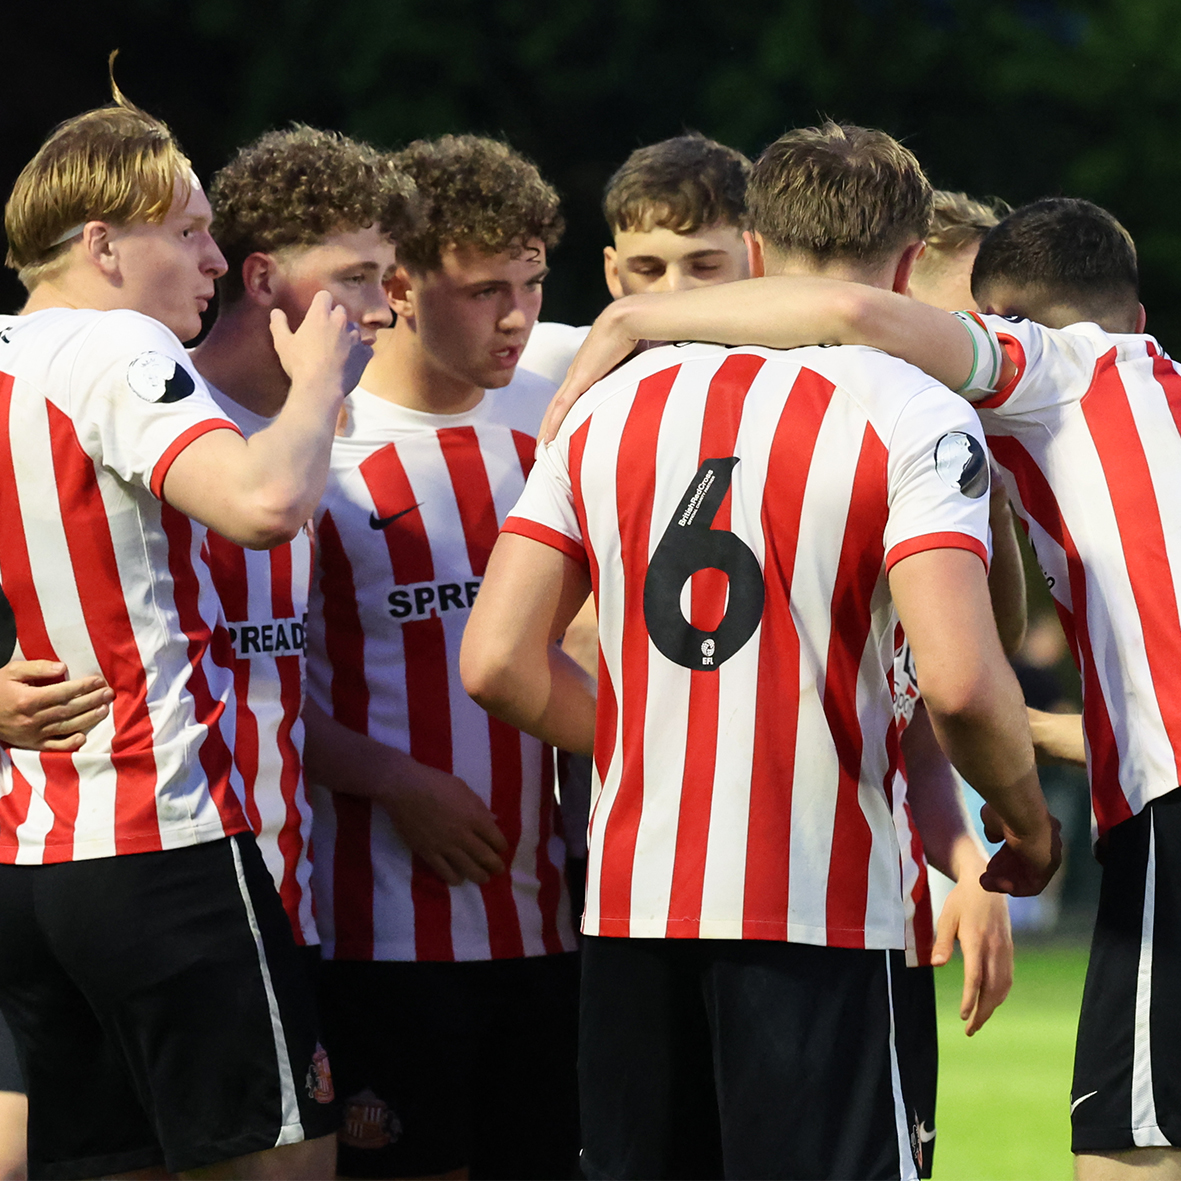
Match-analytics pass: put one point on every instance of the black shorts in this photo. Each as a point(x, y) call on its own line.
point(161, 1009)
point(12, 1078)
point(916, 1039)
point(1127, 1068)
point(442, 1065)
point(739, 1058)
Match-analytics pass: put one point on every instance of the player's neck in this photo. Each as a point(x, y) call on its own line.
point(239, 359)
point(404, 372)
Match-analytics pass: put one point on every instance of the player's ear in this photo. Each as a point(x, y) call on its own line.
point(260, 274)
point(98, 244)
point(905, 267)
point(611, 272)
point(399, 291)
point(755, 256)
point(1141, 319)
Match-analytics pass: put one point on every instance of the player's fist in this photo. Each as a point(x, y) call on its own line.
point(1023, 865)
point(325, 350)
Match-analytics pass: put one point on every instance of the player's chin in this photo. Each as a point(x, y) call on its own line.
point(497, 379)
point(186, 326)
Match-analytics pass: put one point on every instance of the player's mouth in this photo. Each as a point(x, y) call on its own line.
point(507, 358)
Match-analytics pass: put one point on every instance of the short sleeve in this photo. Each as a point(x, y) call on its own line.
point(545, 511)
point(136, 401)
point(1052, 367)
point(938, 478)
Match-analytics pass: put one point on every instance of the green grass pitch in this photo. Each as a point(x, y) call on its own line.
point(1004, 1095)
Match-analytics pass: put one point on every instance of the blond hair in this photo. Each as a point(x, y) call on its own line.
point(116, 164)
point(838, 192)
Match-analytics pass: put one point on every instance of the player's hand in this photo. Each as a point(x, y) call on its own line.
point(606, 345)
point(41, 710)
point(325, 350)
point(446, 824)
point(1023, 865)
point(980, 920)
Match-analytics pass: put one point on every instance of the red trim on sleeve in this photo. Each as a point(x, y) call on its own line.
point(1012, 346)
point(160, 471)
point(546, 536)
point(916, 545)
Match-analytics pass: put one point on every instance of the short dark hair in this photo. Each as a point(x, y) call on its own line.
point(839, 192)
point(1062, 250)
point(475, 192)
point(300, 186)
point(681, 184)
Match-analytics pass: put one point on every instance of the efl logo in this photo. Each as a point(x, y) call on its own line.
point(429, 599)
point(276, 637)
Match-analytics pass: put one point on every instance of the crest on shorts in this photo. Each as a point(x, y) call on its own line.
point(319, 1077)
point(156, 377)
point(961, 463)
point(368, 1122)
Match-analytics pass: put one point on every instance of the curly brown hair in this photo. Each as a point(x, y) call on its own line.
point(475, 192)
point(300, 186)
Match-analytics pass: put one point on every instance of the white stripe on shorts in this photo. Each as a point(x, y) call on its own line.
point(291, 1131)
point(906, 1166)
point(1145, 1132)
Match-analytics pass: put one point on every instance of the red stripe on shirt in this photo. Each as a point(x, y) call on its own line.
point(405, 538)
point(290, 838)
point(634, 490)
point(1016, 352)
point(547, 536)
point(1133, 498)
point(719, 432)
point(862, 552)
point(112, 637)
point(165, 462)
point(1167, 377)
point(1040, 504)
point(16, 574)
point(924, 917)
point(428, 708)
point(504, 925)
point(765, 902)
point(214, 754)
point(344, 639)
point(473, 494)
point(526, 446)
point(929, 541)
point(282, 602)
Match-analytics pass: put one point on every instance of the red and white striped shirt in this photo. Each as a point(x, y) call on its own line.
point(745, 745)
point(916, 886)
point(411, 513)
point(102, 575)
point(264, 595)
point(1087, 434)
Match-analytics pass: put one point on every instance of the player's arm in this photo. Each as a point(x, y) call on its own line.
point(438, 816)
point(976, 708)
point(1058, 738)
point(260, 492)
point(41, 710)
point(976, 917)
point(779, 312)
point(511, 661)
point(1006, 572)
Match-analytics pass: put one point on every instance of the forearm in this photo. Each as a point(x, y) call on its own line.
point(937, 804)
point(553, 700)
point(1058, 738)
point(344, 761)
point(1006, 578)
point(790, 311)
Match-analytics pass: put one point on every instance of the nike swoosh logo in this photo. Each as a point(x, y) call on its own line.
point(925, 1137)
point(1081, 1099)
point(376, 522)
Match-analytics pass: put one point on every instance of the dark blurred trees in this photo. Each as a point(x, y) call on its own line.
point(1018, 100)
